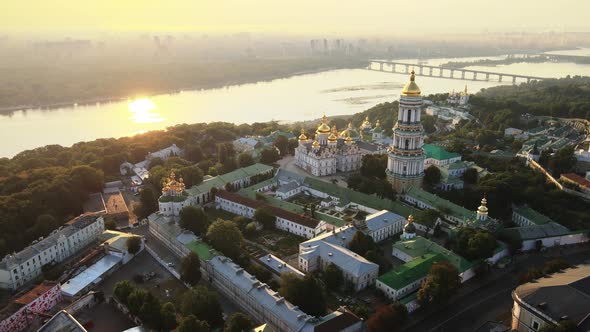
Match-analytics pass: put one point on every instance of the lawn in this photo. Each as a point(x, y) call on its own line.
point(214, 214)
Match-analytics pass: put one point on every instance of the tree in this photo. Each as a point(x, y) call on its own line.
point(226, 237)
point(441, 282)
point(135, 300)
point(562, 161)
point(470, 175)
point(191, 175)
point(194, 219)
point(44, 224)
point(269, 156)
point(168, 317)
point(190, 269)
point(474, 244)
point(133, 245)
point(428, 217)
point(245, 159)
point(122, 290)
point(361, 243)
point(263, 216)
point(282, 143)
point(432, 175)
point(147, 203)
point(388, 318)
point(194, 153)
point(190, 323)
point(306, 292)
point(238, 322)
point(202, 303)
point(374, 165)
point(110, 224)
point(150, 310)
point(333, 276)
point(293, 144)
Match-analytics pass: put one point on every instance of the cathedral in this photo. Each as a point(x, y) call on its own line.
point(405, 162)
point(328, 152)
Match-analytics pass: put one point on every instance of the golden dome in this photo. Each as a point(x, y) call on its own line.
point(302, 137)
point(315, 144)
point(334, 135)
point(366, 123)
point(411, 88)
point(483, 208)
point(324, 128)
point(411, 219)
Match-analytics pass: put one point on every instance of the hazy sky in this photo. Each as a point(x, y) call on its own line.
point(375, 17)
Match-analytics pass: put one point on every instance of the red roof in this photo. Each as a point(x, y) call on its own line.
point(577, 179)
point(34, 293)
point(278, 212)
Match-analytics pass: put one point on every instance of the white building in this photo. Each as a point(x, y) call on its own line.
point(140, 170)
point(175, 196)
point(405, 164)
point(330, 247)
point(245, 144)
point(327, 153)
point(459, 98)
point(285, 220)
point(383, 224)
point(17, 269)
point(266, 305)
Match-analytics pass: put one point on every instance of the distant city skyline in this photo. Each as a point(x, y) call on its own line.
point(305, 17)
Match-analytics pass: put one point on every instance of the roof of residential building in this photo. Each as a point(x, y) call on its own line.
point(266, 298)
point(411, 271)
point(532, 215)
point(550, 229)
point(345, 259)
point(116, 240)
point(73, 286)
point(577, 179)
point(381, 219)
point(202, 250)
point(278, 212)
point(220, 180)
point(420, 246)
point(438, 153)
point(337, 321)
point(62, 321)
point(438, 203)
point(34, 293)
point(564, 294)
point(278, 265)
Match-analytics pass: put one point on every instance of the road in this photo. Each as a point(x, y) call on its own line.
point(488, 302)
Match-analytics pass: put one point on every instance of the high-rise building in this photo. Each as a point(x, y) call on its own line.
point(405, 165)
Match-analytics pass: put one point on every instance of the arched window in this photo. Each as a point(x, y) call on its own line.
point(409, 116)
point(407, 144)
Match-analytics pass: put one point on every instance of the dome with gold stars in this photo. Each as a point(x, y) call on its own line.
point(302, 137)
point(334, 135)
point(350, 132)
point(324, 128)
point(411, 88)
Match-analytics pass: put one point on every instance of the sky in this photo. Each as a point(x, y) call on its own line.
point(361, 17)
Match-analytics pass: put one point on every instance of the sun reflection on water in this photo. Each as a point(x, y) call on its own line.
point(143, 111)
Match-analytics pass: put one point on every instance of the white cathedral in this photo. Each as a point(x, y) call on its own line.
point(329, 152)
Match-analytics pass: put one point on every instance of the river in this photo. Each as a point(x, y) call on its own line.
point(303, 97)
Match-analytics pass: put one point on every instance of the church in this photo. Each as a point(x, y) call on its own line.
point(328, 152)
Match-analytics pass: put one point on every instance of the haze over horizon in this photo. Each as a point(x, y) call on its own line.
point(304, 17)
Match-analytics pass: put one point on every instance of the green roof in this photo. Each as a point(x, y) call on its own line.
point(438, 153)
point(457, 165)
point(438, 203)
point(551, 229)
point(409, 298)
point(220, 180)
point(532, 215)
point(420, 246)
point(201, 249)
point(410, 272)
point(348, 195)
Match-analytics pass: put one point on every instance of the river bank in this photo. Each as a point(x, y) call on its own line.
point(294, 67)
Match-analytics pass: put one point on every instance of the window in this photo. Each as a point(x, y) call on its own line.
point(535, 325)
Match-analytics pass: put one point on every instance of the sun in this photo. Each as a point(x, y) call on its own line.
point(143, 111)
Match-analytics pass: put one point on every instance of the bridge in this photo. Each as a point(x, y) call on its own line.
point(451, 73)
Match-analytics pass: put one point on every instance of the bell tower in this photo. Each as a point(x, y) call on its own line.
point(405, 163)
